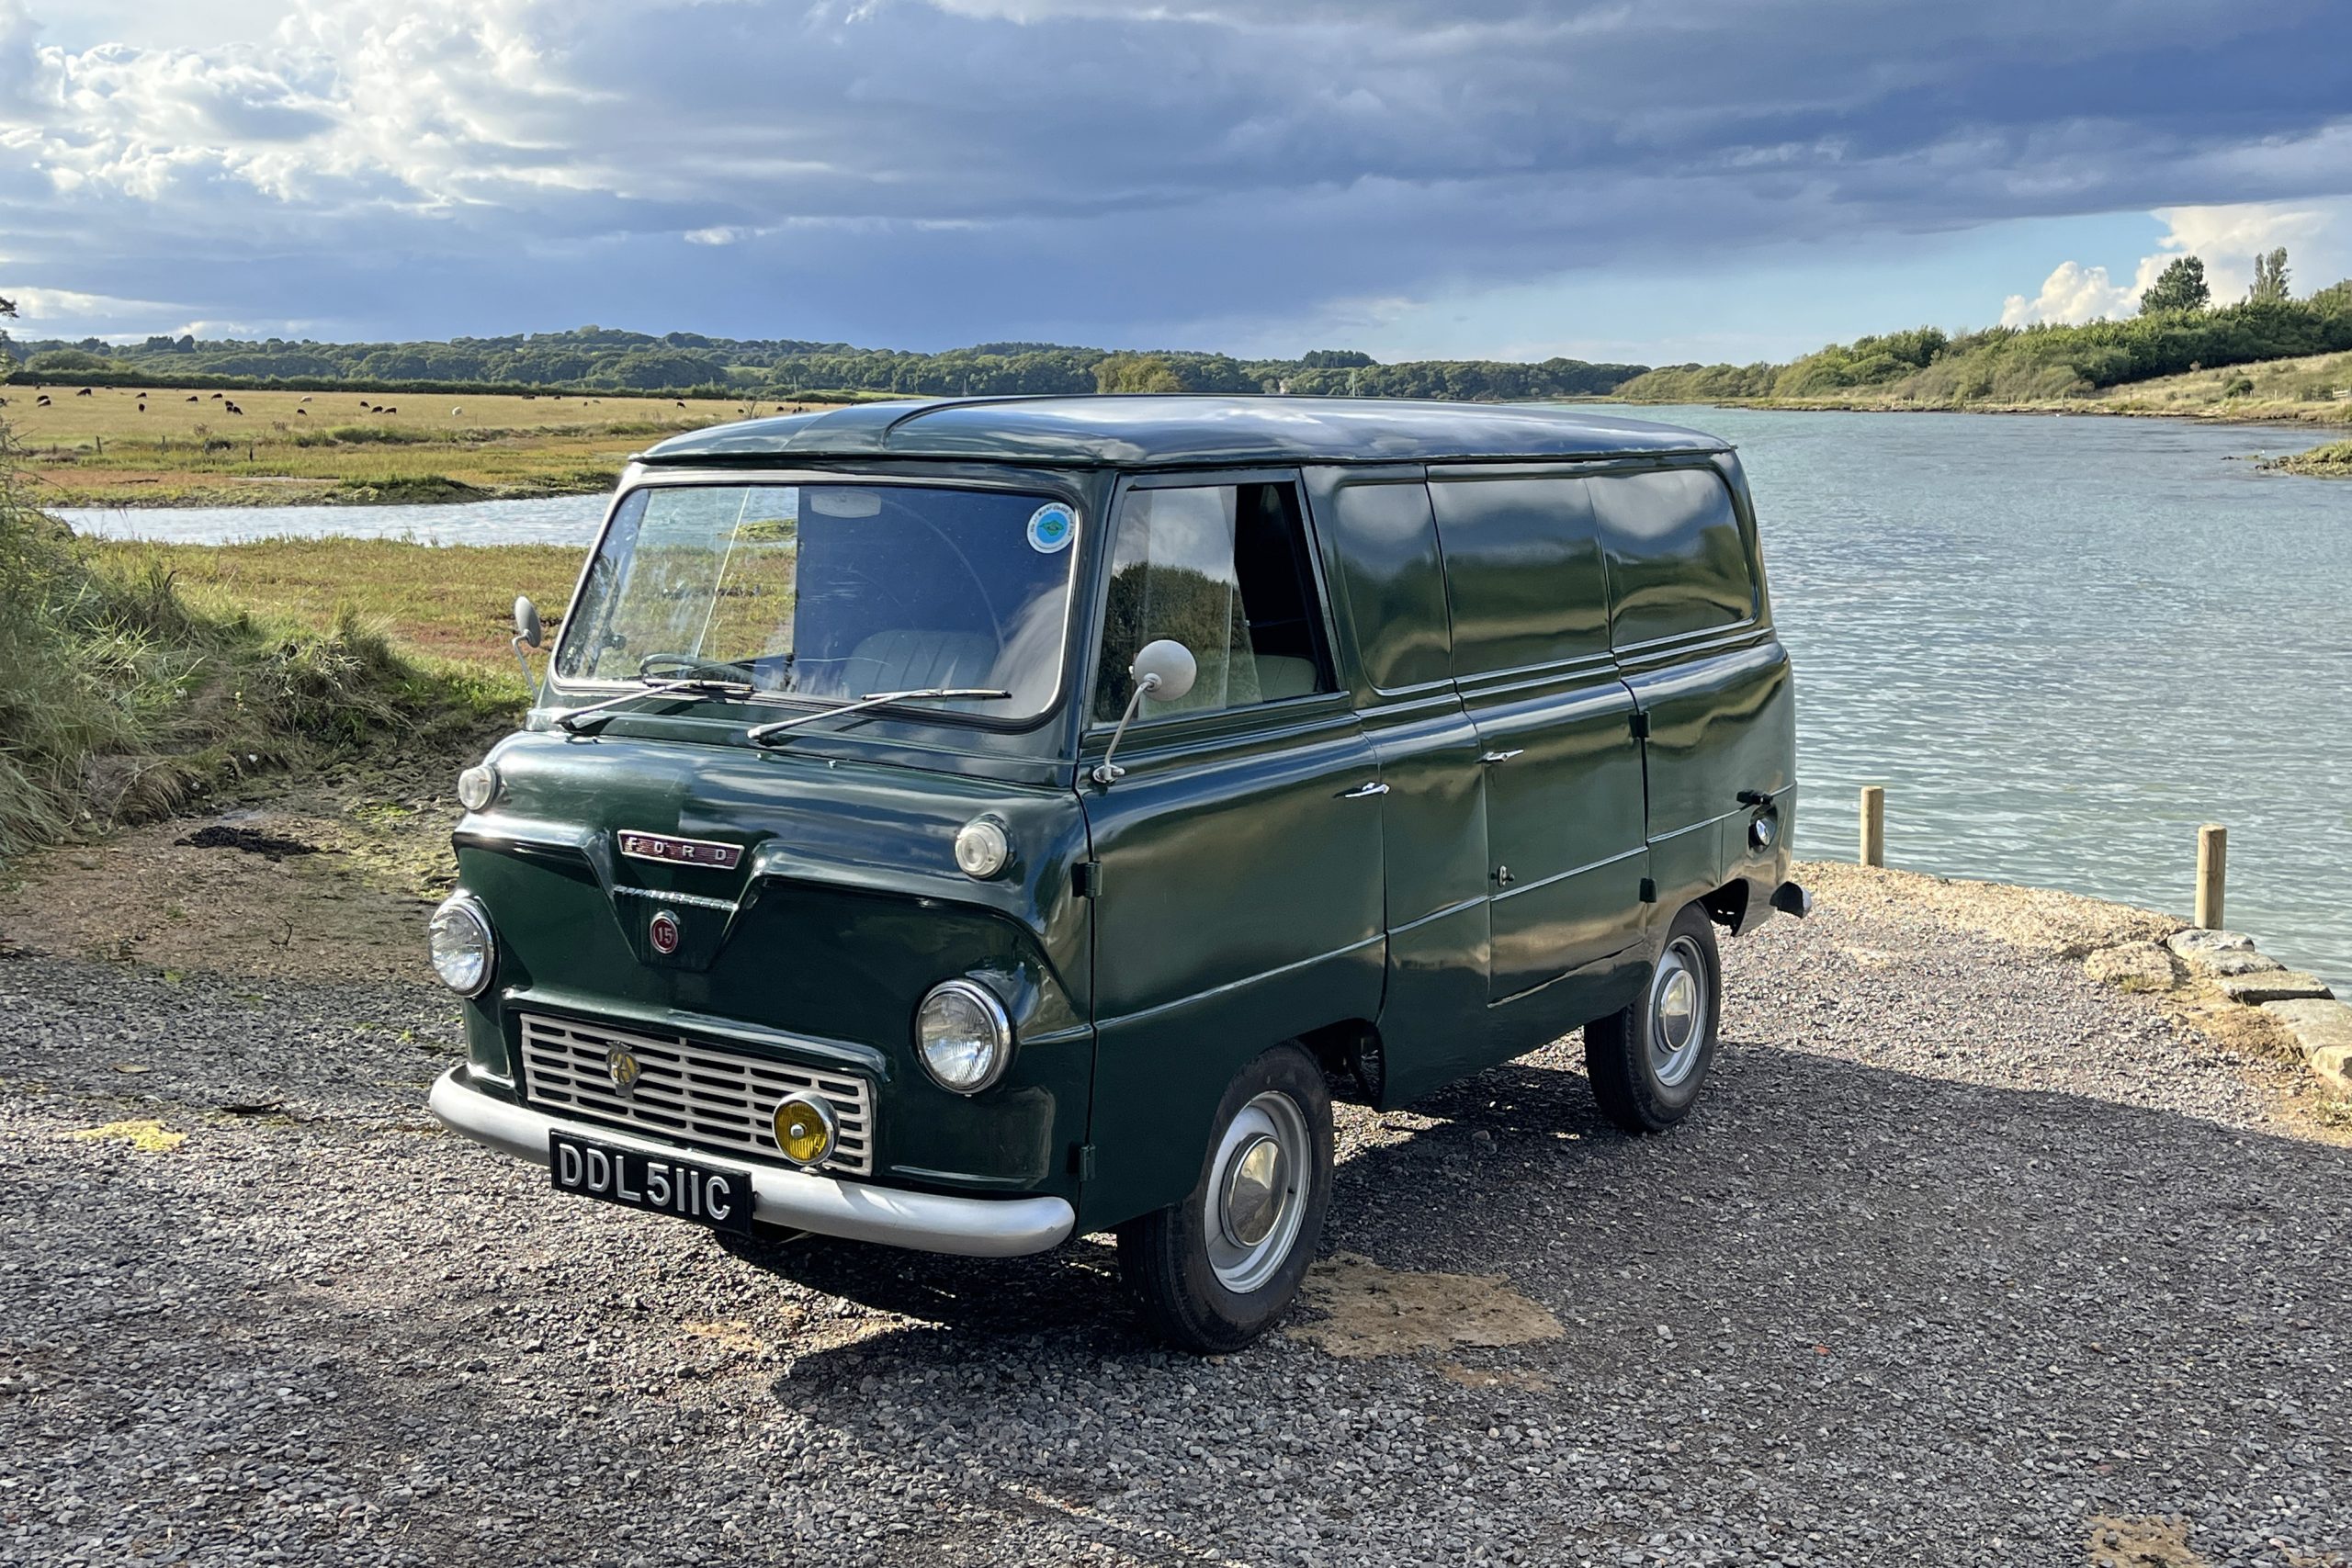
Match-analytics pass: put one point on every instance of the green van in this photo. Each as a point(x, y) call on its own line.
point(966, 825)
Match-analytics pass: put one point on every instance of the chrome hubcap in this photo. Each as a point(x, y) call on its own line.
point(1678, 1012)
point(1253, 1187)
point(1257, 1200)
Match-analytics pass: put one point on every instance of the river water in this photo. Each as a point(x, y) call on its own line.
point(2061, 644)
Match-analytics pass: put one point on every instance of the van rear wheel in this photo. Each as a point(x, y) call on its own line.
point(1213, 1271)
point(1648, 1062)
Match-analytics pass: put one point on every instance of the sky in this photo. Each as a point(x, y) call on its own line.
point(1635, 180)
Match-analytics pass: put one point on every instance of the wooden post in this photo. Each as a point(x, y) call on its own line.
point(1874, 825)
point(2213, 870)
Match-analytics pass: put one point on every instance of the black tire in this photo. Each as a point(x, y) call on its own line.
point(1171, 1258)
point(1646, 1073)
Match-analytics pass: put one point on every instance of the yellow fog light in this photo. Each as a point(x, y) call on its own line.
point(804, 1129)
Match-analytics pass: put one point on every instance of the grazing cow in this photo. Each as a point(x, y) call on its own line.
point(216, 397)
point(191, 397)
point(232, 409)
point(82, 393)
point(388, 411)
point(679, 402)
point(377, 408)
point(302, 400)
point(43, 401)
point(457, 413)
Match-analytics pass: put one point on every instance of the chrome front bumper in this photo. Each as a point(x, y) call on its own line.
point(795, 1199)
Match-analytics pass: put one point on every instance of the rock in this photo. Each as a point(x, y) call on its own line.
point(2213, 954)
point(2135, 966)
point(2324, 1030)
point(2196, 939)
point(2272, 986)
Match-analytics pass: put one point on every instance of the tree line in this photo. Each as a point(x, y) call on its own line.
point(604, 360)
point(2178, 328)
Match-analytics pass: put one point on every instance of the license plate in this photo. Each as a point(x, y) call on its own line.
point(658, 1184)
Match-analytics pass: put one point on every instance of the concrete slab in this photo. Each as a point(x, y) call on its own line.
point(2324, 1030)
point(2272, 986)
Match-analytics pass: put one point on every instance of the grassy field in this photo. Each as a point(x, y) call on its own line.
point(445, 604)
point(126, 447)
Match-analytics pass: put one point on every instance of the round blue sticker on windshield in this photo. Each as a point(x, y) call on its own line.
point(1051, 528)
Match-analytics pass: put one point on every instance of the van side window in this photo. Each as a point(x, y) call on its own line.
point(1522, 571)
point(1393, 581)
point(1223, 569)
point(1677, 560)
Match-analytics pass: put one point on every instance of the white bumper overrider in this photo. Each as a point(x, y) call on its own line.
point(927, 1221)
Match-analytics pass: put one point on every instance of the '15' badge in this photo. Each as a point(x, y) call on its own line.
point(664, 933)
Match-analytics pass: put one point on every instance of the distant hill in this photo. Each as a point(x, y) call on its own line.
point(600, 359)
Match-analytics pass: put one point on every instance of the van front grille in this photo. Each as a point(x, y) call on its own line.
point(688, 1092)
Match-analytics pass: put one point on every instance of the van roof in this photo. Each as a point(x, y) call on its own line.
point(1152, 430)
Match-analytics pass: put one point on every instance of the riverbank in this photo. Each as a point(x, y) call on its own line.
point(2314, 390)
point(127, 447)
point(2332, 461)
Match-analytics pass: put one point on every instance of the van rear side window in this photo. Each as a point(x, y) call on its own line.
point(1678, 563)
point(1522, 571)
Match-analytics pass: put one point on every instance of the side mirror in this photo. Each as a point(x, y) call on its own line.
point(1165, 670)
point(527, 634)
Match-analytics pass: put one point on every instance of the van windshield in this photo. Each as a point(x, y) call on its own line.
point(830, 591)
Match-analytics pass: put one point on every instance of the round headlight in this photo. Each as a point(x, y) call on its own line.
point(964, 1036)
point(982, 848)
point(464, 952)
point(1763, 831)
point(478, 786)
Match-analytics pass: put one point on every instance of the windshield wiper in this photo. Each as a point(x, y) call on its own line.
point(758, 734)
point(700, 686)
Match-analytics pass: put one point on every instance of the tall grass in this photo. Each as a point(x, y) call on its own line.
point(120, 701)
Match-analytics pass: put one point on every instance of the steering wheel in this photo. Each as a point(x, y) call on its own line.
point(680, 662)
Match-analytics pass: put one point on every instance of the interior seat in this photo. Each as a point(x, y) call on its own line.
point(911, 661)
point(1280, 677)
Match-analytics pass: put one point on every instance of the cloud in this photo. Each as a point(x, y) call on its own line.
point(36, 304)
point(2226, 238)
point(925, 172)
point(2071, 294)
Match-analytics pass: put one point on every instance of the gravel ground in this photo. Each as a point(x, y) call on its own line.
point(1966, 1259)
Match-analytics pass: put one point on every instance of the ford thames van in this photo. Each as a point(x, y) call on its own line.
point(963, 825)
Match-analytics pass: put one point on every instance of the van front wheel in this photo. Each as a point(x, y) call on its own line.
point(1213, 1271)
point(1647, 1061)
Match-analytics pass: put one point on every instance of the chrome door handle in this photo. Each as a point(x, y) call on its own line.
point(1491, 757)
point(1364, 791)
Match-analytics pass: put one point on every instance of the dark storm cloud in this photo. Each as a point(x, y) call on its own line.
point(923, 173)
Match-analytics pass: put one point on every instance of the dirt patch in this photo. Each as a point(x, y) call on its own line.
point(2140, 1542)
point(2061, 925)
point(337, 876)
point(1371, 1311)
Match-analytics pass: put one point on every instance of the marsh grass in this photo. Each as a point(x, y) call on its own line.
point(124, 697)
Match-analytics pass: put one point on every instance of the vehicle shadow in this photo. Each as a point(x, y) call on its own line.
point(1881, 1185)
